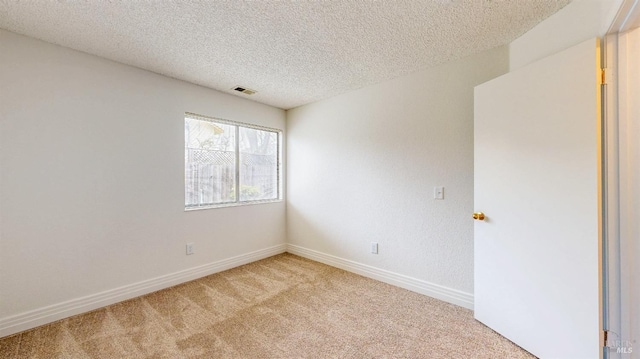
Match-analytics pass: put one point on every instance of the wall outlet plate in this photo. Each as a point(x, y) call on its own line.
point(189, 248)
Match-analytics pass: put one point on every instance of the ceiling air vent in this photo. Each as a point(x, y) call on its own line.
point(244, 90)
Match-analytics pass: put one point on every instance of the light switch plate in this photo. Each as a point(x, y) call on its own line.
point(438, 192)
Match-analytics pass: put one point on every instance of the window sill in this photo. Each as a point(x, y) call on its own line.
point(234, 204)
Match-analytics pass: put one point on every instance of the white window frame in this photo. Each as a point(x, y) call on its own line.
point(238, 202)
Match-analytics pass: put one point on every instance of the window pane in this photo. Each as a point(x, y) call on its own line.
point(258, 164)
point(210, 162)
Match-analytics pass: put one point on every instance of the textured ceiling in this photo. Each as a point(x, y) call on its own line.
point(291, 52)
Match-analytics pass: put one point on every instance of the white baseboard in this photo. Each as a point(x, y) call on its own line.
point(446, 294)
point(23, 321)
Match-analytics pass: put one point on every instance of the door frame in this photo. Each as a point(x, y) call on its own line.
point(618, 207)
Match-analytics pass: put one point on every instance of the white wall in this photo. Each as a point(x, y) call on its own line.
point(577, 22)
point(92, 181)
point(363, 166)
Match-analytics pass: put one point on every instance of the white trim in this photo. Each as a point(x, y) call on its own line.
point(231, 204)
point(195, 116)
point(23, 321)
point(627, 18)
point(629, 132)
point(611, 261)
point(446, 294)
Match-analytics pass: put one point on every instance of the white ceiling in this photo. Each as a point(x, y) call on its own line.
point(290, 52)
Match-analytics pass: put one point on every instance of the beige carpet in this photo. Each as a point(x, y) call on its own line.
point(281, 307)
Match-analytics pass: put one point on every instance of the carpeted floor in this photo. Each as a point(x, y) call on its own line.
point(280, 307)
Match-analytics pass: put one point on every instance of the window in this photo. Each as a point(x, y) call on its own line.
point(228, 163)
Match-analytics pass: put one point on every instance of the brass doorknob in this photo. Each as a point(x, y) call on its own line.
point(478, 216)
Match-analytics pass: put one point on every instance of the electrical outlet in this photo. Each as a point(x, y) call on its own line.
point(189, 248)
point(374, 247)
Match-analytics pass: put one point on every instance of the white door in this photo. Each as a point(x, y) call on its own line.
point(537, 153)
